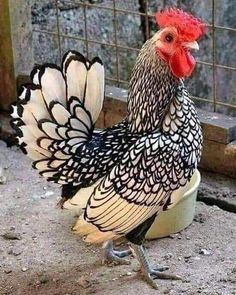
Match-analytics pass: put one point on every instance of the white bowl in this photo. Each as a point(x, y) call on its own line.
point(179, 216)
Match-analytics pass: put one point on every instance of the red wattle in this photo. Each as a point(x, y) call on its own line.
point(182, 63)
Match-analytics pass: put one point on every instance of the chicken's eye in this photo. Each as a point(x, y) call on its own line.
point(169, 38)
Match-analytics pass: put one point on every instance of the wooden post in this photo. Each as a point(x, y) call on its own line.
point(7, 77)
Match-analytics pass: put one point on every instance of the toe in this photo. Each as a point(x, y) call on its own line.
point(151, 281)
point(164, 276)
point(161, 268)
point(123, 253)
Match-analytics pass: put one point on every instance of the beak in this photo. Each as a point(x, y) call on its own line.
point(191, 45)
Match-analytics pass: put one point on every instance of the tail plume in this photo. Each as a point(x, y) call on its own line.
point(55, 114)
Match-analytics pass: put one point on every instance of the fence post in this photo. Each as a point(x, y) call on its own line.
point(7, 76)
point(22, 35)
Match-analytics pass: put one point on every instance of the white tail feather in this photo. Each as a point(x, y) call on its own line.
point(95, 88)
point(76, 83)
point(53, 86)
point(54, 116)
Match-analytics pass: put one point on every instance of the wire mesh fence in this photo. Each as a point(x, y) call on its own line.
point(213, 85)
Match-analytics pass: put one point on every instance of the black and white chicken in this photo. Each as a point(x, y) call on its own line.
point(120, 178)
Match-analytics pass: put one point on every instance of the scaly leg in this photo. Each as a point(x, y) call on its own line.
point(150, 273)
point(115, 256)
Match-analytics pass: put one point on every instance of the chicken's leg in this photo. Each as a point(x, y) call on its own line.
point(114, 256)
point(150, 273)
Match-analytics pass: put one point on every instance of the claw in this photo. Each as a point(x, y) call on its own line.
point(115, 257)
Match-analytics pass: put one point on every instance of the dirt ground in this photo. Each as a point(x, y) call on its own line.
point(40, 255)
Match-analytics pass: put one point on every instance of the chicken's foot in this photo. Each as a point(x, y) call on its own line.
point(114, 256)
point(150, 273)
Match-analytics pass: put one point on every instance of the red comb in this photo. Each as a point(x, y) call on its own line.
point(189, 27)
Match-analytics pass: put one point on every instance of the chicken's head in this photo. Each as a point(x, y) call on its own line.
point(177, 36)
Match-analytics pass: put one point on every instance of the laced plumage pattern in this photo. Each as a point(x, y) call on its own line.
point(122, 176)
point(117, 180)
point(157, 164)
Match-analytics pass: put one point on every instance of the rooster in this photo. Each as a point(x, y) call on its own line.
point(118, 179)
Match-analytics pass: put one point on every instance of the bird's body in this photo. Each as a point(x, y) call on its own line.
point(120, 178)
point(152, 154)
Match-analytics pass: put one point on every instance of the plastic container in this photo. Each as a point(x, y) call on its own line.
point(179, 216)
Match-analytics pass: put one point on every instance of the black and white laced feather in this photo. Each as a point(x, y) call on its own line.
point(54, 119)
point(127, 173)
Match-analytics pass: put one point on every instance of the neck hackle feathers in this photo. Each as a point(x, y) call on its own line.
point(189, 27)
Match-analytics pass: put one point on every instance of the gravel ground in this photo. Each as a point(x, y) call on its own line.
point(40, 255)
